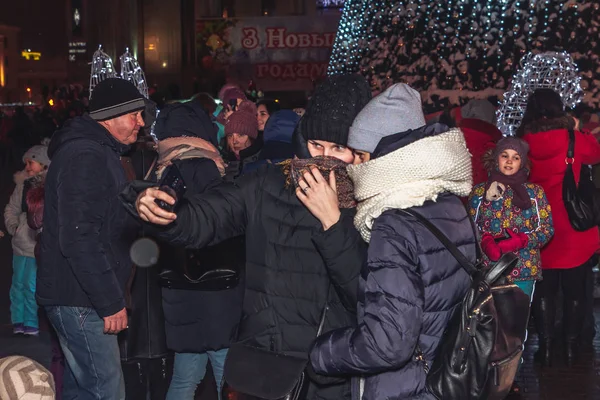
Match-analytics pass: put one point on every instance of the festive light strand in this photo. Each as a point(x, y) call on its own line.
point(549, 70)
point(102, 68)
point(132, 72)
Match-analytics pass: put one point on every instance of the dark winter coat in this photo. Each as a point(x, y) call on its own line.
point(145, 337)
point(277, 139)
point(200, 321)
point(236, 167)
point(408, 293)
point(87, 232)
point(290, 261)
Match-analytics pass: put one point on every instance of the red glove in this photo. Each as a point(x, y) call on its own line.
point(490, 247)
point(516, 242)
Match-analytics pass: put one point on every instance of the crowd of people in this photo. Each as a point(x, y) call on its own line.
point(294, 235)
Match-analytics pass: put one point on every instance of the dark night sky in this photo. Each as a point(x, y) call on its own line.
point(42, 23)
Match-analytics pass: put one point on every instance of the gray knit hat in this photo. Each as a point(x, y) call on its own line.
point(24, 379)
point(398, 109)
point(479, 109)
point(37, 153)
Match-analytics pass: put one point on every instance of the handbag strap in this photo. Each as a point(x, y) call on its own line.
point(456, 253)
point(571, 148)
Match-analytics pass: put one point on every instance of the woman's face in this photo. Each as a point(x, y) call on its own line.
point(262, 115)
point(323, 148)
point(361, 157)
point(509, 162)
point(237, 142)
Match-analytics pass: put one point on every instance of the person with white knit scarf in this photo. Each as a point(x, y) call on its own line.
point(411, 284)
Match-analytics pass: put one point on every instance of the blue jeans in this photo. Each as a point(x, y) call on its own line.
point(189, 370)
point(23, 307)
point(91, 356)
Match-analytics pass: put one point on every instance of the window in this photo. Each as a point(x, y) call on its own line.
point(267, 7)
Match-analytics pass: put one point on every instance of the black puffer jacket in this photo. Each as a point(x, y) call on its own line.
point(200, 321)
point(290, 261)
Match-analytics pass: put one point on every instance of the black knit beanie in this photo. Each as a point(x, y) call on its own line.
point(332, 108)
point(186, 119)
point(114, 97)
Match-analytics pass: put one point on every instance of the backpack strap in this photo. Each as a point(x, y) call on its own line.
point(507, 260)
point(456, 253)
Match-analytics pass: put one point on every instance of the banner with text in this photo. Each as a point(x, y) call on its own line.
point(277, 53)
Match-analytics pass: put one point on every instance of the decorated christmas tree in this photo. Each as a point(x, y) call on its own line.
point(456, 50)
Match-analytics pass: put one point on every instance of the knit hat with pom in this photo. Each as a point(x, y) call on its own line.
point(24, 379)
point(231, 92)
point(38, 153)
point(243, 120)
point(332, 108)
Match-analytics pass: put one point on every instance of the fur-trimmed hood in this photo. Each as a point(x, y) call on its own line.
point(37, 180)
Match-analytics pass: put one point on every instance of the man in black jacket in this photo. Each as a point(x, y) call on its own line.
point(85, 261)
point(296, 263)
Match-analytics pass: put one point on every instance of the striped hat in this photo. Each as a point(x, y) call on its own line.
point(114, 97)
point(22, 378)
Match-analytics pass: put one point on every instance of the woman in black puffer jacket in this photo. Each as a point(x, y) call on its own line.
point(296, 263)
point(199, 324)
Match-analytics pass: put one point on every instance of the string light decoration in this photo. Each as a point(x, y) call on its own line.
point(346, 47)
point(132, 72)
point(102, 68)
point(482, 50)
point(330, 3)
point(550, 70)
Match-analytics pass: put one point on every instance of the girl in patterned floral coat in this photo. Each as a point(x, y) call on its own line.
point(512, 214)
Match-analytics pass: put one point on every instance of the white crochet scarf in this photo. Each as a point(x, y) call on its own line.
point(410, 176)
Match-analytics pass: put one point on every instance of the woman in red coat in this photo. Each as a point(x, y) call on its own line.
point(568, 256)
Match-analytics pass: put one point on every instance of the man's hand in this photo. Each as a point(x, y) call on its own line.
point(320, 197)
point(149, 211)
point(115, 323)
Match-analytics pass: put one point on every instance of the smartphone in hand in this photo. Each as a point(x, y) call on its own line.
point(173, 184)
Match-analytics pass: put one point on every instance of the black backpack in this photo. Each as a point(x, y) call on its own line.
point(480, 351)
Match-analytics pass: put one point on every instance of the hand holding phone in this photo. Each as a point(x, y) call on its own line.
point(174, 185)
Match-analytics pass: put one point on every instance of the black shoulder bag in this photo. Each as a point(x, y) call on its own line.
point(212, 268)
point(267, 375)
point(582, 202)
point(481, 349)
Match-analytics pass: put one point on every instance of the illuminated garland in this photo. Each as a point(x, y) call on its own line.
point(132, 72)
point(550, 70)
point(461, 49)
point(102, 68)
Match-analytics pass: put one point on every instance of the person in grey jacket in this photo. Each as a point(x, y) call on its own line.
point(23, 307)
point(411, 285)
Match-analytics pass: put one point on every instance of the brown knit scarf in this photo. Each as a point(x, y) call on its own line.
point(295, 168)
